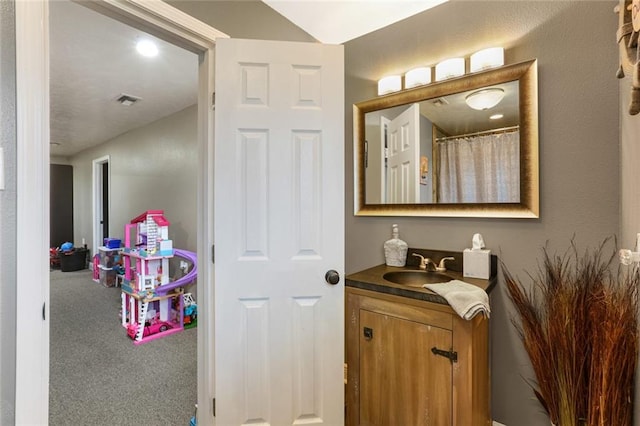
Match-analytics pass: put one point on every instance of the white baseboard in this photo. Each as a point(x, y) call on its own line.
point(498, 424)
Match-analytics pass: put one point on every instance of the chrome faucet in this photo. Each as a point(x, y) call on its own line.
point(425, 262)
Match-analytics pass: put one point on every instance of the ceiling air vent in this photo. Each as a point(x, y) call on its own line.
point(127, 100)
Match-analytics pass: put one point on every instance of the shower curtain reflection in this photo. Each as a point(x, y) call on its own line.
point(479, 169)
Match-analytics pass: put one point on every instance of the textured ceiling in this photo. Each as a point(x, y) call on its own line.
point(94, 61)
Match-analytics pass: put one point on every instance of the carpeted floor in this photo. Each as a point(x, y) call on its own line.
point(99, 377)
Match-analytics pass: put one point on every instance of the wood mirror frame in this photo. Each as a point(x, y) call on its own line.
point(527, 76)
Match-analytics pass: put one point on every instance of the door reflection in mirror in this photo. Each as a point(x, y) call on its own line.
point(399, 144)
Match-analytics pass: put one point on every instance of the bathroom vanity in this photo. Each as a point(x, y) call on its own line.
point(411, 359)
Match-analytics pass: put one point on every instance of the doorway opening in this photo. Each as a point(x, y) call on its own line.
point(139, 157)
point(101, 201)
point(32, 91)
point(61, 208)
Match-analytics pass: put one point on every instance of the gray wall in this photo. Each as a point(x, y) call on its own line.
point(152, 167)
point(7, 213)
point(574, 43)
point(59, 160)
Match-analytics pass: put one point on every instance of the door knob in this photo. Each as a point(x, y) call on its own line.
point(332, 277)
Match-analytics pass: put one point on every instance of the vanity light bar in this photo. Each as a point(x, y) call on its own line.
point(449, 68)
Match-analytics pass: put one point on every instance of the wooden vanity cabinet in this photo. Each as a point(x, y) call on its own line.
point(394, 374)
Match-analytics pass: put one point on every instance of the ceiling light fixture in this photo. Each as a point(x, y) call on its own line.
point(485, 98)
point(487, 58)
point(147, 48)
point(389, 84)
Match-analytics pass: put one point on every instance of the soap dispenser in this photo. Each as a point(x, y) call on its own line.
point(395, 250)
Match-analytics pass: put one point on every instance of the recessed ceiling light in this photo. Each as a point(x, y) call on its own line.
point(496, 116)
point(147, 48)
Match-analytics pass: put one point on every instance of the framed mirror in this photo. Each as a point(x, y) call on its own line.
point(465, 147)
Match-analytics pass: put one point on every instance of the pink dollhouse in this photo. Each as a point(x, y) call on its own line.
point(152, 307)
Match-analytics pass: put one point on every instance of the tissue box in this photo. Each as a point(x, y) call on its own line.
point(476, 263)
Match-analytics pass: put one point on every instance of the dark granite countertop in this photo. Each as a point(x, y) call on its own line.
point(372, 279)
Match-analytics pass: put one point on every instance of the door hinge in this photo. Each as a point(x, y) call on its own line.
point(214, 407)
point(213, 100)
point(453, 356)
point(213, 253)
point(44, 318)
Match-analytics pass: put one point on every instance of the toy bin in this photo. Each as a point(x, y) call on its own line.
point(74, 260)
point(107, 276)
point(109, 257)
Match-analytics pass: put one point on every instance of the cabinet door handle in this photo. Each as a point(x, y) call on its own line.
point(452, 355)
point(368, 333)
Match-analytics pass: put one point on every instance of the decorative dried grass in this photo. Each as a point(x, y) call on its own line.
point(578, 324)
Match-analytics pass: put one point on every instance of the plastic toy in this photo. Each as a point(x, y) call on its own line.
point(190, 311)
point(54, 258)
point(156, 327)
point(194, 420)
point(152, 305)
point(96, 268)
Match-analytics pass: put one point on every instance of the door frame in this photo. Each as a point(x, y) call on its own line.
point(32, 164)
point(97, 197)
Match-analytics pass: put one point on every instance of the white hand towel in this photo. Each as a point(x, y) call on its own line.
point(466, 299)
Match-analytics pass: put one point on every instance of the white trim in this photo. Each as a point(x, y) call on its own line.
point(206, 335)
point(168, 23)
point(96, 197)
point(161, 20)
point(32, 179)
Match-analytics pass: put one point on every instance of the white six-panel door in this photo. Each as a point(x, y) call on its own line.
point(404, 157)
point(279, 227)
